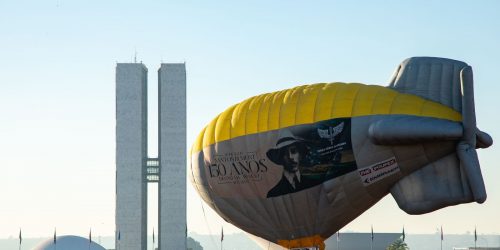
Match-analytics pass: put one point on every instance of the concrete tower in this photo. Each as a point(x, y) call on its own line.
point(134, 170)
point(131, 155)
point(172, 152)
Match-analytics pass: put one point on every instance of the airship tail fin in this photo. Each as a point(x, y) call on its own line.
point(445, 81)
point(450, 83)
point(432, 78)
point(439, 184)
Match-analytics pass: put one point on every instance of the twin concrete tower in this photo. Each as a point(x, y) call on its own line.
point(134, 169)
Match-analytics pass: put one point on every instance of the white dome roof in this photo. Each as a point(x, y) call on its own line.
point(68, 242)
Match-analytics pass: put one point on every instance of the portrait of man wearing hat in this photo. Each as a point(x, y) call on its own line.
point(289, 153)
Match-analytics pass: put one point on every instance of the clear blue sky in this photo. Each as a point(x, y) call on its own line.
point(57, 68)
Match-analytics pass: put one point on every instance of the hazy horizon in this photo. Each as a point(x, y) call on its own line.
point(212, 242)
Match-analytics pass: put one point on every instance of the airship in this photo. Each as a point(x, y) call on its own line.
point(295, 166)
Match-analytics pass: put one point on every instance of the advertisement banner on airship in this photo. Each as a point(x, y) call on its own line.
point(281, 161)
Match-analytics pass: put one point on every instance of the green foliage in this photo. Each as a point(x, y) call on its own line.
point(399, 244)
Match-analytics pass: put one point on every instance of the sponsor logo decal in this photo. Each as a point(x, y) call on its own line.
point(330, 132)
point(378, 171)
